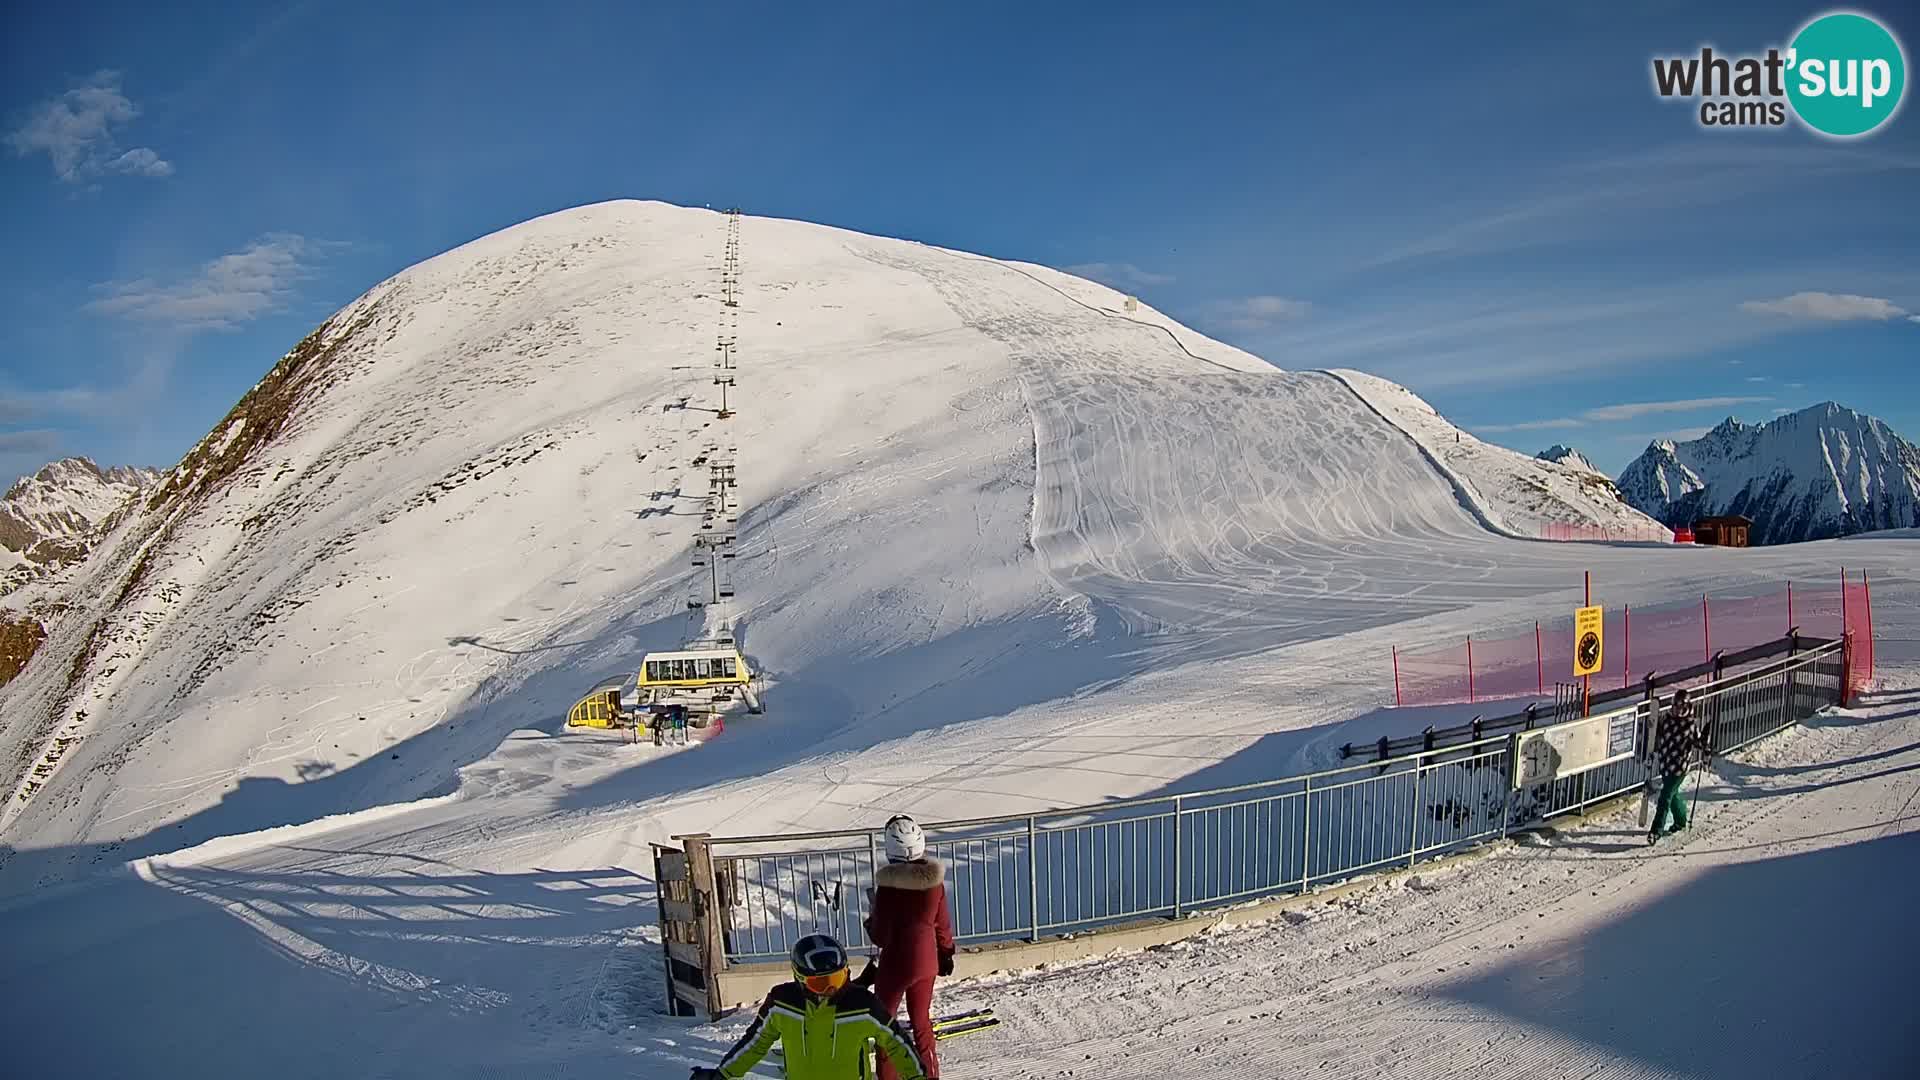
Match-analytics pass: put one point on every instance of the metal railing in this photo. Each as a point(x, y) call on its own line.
point(1077, 870)
point(1539, 713)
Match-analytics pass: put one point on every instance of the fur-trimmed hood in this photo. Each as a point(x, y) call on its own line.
point(920, 875)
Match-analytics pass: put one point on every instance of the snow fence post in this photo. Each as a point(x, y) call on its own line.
point(1469, 669)
point(1626, 665)
point(676, 1006)
point(873, 867)
point(706, 913)
point(1306, 835)
point(1846, 668)
point(1713, 711)
point(1033, 880)
point(1507, 778)
point(1176, 856)
point(1706, 627)
point(1866, 590)
point(1539, 662)
point(1413, 830)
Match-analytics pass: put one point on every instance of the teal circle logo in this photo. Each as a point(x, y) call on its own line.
point(1846, 74)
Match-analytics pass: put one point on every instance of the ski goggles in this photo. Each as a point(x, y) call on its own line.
point(830, 983)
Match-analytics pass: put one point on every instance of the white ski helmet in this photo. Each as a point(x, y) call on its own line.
point(905, 841)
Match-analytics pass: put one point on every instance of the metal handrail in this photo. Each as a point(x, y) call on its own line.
point(1079, 869)
point(1117, 804)
point(1736, 682)
point(1732, 682)
point(1796, 644)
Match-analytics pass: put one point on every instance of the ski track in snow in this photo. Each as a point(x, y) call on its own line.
point(1574, 953)
point(1470, 971)
point(1005, 548)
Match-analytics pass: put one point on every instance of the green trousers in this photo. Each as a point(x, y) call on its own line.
point(1672, 801)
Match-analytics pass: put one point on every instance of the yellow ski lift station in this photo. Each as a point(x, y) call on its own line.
point(693, 669)
point(600, 709)
point(715, 672)
point(712, 674)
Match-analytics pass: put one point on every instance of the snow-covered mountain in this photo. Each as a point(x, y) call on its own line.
point(294, 732)
point(47, 519)
point(1509, 491)
point(974, 492)
point(1568, 456)
point(1822, 472)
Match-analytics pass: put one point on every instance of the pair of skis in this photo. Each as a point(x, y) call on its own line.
point(950, 1026)
point(954, 1025)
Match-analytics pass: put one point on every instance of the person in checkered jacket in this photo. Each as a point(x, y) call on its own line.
point(1673, 749)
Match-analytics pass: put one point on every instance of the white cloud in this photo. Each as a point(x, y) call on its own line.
point(1534, 425)
point(1679, 435)
point(75, 131)
point(231, 289)
point(1606, 413)
point(1259, 312)
point(29, 442)
point(1119, 275)
point(24, 407)
point(1829, 307)
point(141, 161)
point(1612, 413)
point(1781, 412)
point(1550, 207)
point(125, 393)
point(1759, 378)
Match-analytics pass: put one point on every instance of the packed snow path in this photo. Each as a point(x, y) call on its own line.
point(1768, 943)
point(1771, 942)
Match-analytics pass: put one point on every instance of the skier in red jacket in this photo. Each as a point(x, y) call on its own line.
point(912, 929)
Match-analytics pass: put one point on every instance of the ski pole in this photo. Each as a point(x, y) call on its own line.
point(1648, 789)
point(1706, 760)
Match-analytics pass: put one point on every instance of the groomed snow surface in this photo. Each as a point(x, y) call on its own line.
point(1007, 546)
point(1769, 941)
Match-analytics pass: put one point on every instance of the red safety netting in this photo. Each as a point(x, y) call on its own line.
point(1432, 676)
point(1857, 602)
point(1639, 641)
point(1508, 667)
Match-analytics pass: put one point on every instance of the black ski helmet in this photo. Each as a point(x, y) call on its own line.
point(817, 955)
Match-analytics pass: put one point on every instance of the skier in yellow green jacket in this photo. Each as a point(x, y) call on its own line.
point(822, 1023)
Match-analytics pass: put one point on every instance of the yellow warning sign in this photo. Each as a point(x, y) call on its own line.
point(1588, 641)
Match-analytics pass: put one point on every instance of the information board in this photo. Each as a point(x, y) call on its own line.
point(1623, 731)
point(1547, 754)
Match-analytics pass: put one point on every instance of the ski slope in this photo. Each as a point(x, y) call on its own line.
point(1510, 492)
point(1764, 944)
point(980, 498)
point(1006, 545)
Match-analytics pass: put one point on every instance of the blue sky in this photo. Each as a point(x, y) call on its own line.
point(1490, 206)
